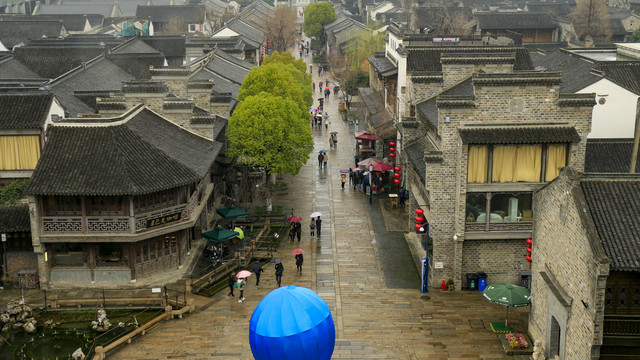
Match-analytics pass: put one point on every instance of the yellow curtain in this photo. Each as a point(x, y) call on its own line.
point(477, 164)
point(504, 163)
point(528, 163)
point(556, 158)
point(19, 152)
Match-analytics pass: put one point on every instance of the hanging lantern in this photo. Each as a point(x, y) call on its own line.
point(397, 169)
point(393, 143)
point(529, 258)
point(419, 211)
point(418, 226)
point(392, 155)
point(529, 241)
point(529, 249)
point(397, 181)
point(419, 219)
point(392, 149)
point(397, 175)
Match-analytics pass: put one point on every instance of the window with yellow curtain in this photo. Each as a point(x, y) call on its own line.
point(504, 163)
point(19, 152)
point(556, 158)
point(478, 164)
point(528, 163)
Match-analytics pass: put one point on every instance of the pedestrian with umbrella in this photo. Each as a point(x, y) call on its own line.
point(313, 85)
point(242, 282)
point(318, 225)
point(279, 270)
point(507, 295)
point(320, 86)
point(320, 159)
point(299, 259)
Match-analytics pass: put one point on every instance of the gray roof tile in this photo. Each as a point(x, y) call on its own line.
point(614, 206)
point(26, 110)
point(14, 218)
point(609, 156)
point(15, 31)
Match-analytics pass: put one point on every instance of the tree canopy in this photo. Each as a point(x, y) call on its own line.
point(266, 130)
point(590, 18)
point(316, 15)
point(281, 29)
point(635, 37)
point(280, 80)
point(287, 59)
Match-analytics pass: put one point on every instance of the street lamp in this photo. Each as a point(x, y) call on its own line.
point(424, 230)
point(370, 188)
point(4, 253)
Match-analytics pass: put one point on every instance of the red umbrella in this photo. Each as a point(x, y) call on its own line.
point(365, 135)
point(382, 167)
point(327, 88)
point(294, 219)
point(297, 252)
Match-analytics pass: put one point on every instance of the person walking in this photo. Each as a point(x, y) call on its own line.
point(318, 225)
point(299, 261)
point(312, 227)
point(350, 176)
point(311, 69)
point(257, 269)
point(326, 120)
point(320, 160)
point(327, 92)
point(325, 159)
point(232, 282)
point(241, 284)
point(298, 230)
point(320, 85)
point(313, 85)
point(292, 231)
point(343, 179)
point(279, 271)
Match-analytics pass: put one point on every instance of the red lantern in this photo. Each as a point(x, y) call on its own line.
point(392, 155)
point(397, 181)
point(393, 143)
point(528, 256)
point(397, 169)
point(392, 149)
point(419, 211)
point(529, 249)
point(397, 175)
point(529, 241)
point(418, 226)
point(419, 219)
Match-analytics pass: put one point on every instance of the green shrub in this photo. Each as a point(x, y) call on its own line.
point(11, 193)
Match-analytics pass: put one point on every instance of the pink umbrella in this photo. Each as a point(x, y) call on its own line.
point(370, 161)
point(294, 219)
point(297, 252)
point(365, 135)
point(243, 274)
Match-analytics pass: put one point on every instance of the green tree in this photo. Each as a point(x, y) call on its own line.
point(287, 59)
point(11, 193)
point(316, 15)
point(265, 130)
point(280, 80)
point(635, 37)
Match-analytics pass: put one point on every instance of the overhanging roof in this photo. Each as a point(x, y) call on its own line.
point(529, 134)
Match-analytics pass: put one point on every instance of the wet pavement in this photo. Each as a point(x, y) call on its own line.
point(364, 272)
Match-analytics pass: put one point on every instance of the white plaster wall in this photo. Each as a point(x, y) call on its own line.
point(226, 32)
point(381, 9)
point(616, 118)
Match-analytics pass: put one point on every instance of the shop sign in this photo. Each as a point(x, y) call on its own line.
point(162, 220)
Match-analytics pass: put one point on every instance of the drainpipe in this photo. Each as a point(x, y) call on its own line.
point(636, 140)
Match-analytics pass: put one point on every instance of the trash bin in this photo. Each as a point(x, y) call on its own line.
point(472, 281)
point(482, 280)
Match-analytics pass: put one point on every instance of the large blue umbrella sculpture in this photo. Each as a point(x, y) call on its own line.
point(292, 323)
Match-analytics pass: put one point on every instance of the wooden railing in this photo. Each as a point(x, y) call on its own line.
point(500, 226)
point(621, 325)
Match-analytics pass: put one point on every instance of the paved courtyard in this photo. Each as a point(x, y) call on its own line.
point(363, 272)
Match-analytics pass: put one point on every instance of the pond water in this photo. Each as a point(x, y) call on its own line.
point(74, 331)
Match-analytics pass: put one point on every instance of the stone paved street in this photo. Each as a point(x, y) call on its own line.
point(362, 271)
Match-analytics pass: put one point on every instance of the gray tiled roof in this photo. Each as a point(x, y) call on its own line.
point(515, 20)
point(609, 156)
point(532, 134)
point(11, 68)
point(26, 110)
point(428, 108)
point(575, 70)
point(381, 63)
point(625, 74)
point(189, 14)
point(15, 31)
point(77, 7)
point(614, 206)
point(72, 22)
point(428, 59)
point(134, 46)
point(146, 153)
point(224, 66)
point(101, 75)
point(52, 61)
point(14, 218)
point(415, 153)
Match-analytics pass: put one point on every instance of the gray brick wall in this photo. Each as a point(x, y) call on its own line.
point(561, 247)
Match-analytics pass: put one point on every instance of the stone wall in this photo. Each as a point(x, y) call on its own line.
point(566, 247)
point(501, 260)
point(20, 260)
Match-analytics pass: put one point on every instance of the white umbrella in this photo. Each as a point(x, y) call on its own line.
point(316, 214)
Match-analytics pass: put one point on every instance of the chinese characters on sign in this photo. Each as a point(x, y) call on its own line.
point(163, 220)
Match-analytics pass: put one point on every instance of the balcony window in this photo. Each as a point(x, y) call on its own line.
point(105, 206)
point(503, 207)
point(69, 254)
point(62, 206)
point(111, 254)
point(156, 201)
point(514, 163)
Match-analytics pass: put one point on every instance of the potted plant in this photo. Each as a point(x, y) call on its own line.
point(449, 284)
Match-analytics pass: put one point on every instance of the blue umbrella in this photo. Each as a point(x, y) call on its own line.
point(292, 323)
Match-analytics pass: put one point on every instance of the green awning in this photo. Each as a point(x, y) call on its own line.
point(220, 234)
point(232, 212)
